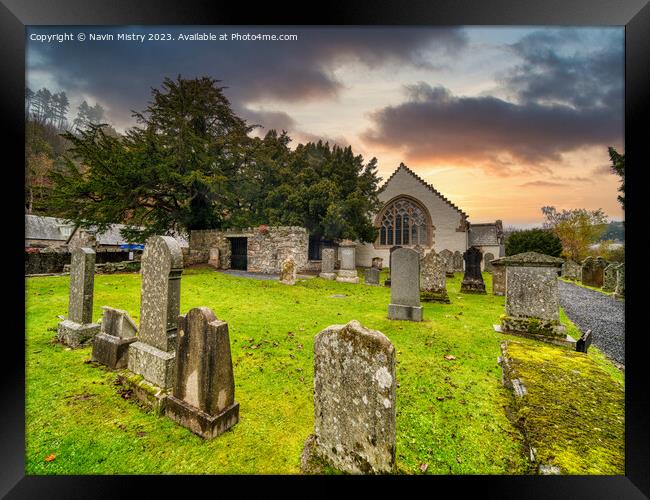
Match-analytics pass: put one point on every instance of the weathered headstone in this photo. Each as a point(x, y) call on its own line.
point(571, 270)
point(405, 285)
point(532, 298)
point(328, 261)
point(377, 263)
point(457, 260)
point(448, 257)
point(620, 281)
point(433, 280)
point(609, 277)
point(592, 271)
point(487, 262)
point(498, 277)
point(78, 328)
point(354, 401)
point(473, 279)
point(390, 263)
point(583, 343)
point(288, 271)
point(348, 271)
point(111, 345)
point(372, 276)
point(214, 258)
point(420, 250)
point(203, 397)
point(152, 356)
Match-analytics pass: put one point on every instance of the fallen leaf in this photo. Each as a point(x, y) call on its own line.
point(440, 398)
point(424, 467)
point(459, 460)
point(449, 357)
point(49, 458)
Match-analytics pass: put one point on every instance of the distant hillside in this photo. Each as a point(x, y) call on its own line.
point(614, 231)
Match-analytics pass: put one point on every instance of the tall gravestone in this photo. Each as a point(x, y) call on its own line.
point(473, 279)
point(288, 271)
point(620, 281)
point(348, 271)
point(498, 277)
point(390, 263)
point(457, 260)
point(405, 286)
point(592, 272)
point(78, 328)
point(354, 401)
point(433, 280)
point(532, 297)
point(448, 257)
point(609, 277)
point(328, 261)
point(152, 356)
point(203, 396)
point(487, 262)
point(111, 345)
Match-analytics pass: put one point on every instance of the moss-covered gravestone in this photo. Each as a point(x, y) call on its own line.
point(487, 262)
point(111, 345)
point(620, 281)
point(328, 263)
point(448, 257)
point(498, 277)
point(609, 277)
point(532, 298)
point(473, 279)
point(457, 260)
point(354, 402)
point(593, 271)
point(433, 280)
point(570, 270)
point(288, 271)
point(203, 398)
point(78, 329)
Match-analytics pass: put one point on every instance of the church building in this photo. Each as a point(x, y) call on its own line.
point(415, 213)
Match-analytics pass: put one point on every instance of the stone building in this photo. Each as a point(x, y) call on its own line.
point(415, 213)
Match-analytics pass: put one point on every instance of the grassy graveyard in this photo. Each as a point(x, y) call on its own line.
point(451, 405)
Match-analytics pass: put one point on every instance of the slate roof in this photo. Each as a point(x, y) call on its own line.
point(39, 227)
point(483, 234)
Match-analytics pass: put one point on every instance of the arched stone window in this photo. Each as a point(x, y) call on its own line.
point(403, 221)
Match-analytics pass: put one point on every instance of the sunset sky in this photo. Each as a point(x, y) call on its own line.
point(501, 120)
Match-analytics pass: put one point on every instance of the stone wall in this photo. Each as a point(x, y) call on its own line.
point(266, 250)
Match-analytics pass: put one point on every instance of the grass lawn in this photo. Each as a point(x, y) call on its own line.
point(450, 413)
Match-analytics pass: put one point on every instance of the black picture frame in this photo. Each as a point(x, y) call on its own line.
point(633, 14)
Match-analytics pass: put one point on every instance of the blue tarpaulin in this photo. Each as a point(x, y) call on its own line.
point(132, 246)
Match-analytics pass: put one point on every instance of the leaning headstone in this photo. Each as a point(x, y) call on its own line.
point(571, 270)
point(288, 271)
point(390, 263)
point(448, 256)
point(214, 258)
point(609, 277)
point(592, 272)
point(405, 286)
point(620, 282)
point(111, 345)
point(354, 401)
point(532, 297)
point(498, 277)
point(203, 397)
point(152, 356)
point(433, 280)
point(348, 271)
point(473, 279)
point(457, 260)
point(377, 262)
point(78, 328)
point(372, 276)
point(583, 343)
point(487, 262)
point(328, 260)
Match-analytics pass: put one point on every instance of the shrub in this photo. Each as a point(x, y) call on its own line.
point(533, 240)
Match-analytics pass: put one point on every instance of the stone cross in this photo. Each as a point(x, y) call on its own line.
point(449, 262)
point(328, 260)
point(203, 397)
point(405, 285)
point(348, 271)
point(288, 271)
point(473, 279)
point(152, 356)
point(457, 260)
point(354, 400)
point(78, 328)
point(433, 281)
point(111, 345)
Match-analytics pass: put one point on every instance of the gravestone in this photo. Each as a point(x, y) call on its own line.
point(372, 276)
point(457, 260)
point(348, 271)
point(214, 258)
point(419, 249)
point(571, 270)
point(354, 401)
point(78, 328)
point(609, 277)
point(487, 262)
point(433, 281)
point(473, 279)
point(288, 271)
point(583, 343)
point(532, 297)
point(498, 278)
point(378, 263)
point(390, 263)
point(620, 282)
point(448, 256)
point(111, 345)
point(203, 397)
point(152, 356)
point(405, 286)
point(328, 260)
point(592, 271)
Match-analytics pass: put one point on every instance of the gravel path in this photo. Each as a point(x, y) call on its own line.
point(604, 315)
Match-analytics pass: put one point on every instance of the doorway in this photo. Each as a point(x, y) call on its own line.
point(239, 253)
